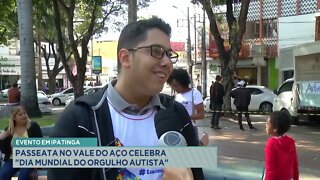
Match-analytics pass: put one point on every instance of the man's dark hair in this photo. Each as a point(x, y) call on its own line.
point(15, 85)
point(281, 121)
point(218, 78)
point(181, 76)
point(136, 32)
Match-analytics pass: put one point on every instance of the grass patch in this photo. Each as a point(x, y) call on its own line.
point(45, 120)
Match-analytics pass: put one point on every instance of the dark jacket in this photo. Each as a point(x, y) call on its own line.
point(242, 97)
point(216, 93)
point(5, 145)
point(89, 116)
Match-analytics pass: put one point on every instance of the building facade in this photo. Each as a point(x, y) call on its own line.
point(299, 28)
point(272, 25)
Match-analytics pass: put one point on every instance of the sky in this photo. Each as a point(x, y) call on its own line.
point(165, 10)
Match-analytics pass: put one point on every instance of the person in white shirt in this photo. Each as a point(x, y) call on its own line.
point(189, 97)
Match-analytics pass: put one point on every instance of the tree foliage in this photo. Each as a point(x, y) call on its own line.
point(84, 18)
point(237, 27)
point(8, 21)
point(45, 31)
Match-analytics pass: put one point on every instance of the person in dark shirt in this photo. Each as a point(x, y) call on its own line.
point(242, 98)
point(216, 101)
point(20, 126)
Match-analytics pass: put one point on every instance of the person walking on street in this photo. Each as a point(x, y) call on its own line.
point(216, 100)
point(242, 98)
point(14, 95)
point(124, 112)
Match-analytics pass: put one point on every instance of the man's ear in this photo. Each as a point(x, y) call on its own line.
point(124, 58)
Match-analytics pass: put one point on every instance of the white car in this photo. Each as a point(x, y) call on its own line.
point(87, 91)
point(261, 99)
point(4, 93)
point(44, 103)
point(61, 97)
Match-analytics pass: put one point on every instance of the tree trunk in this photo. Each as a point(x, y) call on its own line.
point(52, 85)
point(132, 11)
point(28, 80)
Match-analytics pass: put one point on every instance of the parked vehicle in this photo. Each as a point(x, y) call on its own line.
point(87, 91)
point(44, 103)
point(299, 96)
point(261, 99)
point(61, 97)
point(4, 93)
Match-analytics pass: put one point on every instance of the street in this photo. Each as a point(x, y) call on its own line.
point(241, 153)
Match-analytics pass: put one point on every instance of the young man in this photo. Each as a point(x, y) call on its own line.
point(216, 99)
point(122, 114)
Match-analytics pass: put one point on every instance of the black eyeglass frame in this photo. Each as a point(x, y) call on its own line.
point(173, 56)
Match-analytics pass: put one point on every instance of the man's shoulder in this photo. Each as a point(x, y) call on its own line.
point(166, 100)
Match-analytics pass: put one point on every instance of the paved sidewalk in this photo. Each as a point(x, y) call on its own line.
point(233, 168)
point(240, 159)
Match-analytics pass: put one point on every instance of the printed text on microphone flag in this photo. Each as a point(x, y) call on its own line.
point(114, 157)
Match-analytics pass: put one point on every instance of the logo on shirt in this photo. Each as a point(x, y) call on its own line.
point(143, 172)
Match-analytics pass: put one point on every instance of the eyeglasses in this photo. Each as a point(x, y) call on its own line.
point(158, 52)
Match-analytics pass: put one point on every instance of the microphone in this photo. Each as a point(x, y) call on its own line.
point(174, 127)
point(172, 138)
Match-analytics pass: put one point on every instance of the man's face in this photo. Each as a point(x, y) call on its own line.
point(147, 73)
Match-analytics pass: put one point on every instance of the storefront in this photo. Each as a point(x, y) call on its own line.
point(9, 70)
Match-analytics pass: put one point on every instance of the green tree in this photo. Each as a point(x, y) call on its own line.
point(237, 27)
point(45, 31)
point(28, 80)
point(83, 18)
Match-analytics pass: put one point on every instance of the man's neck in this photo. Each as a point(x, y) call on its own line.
point(131, 95)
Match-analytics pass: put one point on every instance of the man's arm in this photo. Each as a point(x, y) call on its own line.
point(66, 126)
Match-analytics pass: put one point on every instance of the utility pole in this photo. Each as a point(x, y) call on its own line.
point(39, 65)
point(203, 57)
point(195, 37)
point(189, 48)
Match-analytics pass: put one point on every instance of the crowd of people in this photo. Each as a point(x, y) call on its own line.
point(123, 113)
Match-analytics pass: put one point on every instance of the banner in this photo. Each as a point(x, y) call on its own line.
point(96, 64)
point(83, 153)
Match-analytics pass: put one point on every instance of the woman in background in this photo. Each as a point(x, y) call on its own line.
point(189, 97)
point(19, 126)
